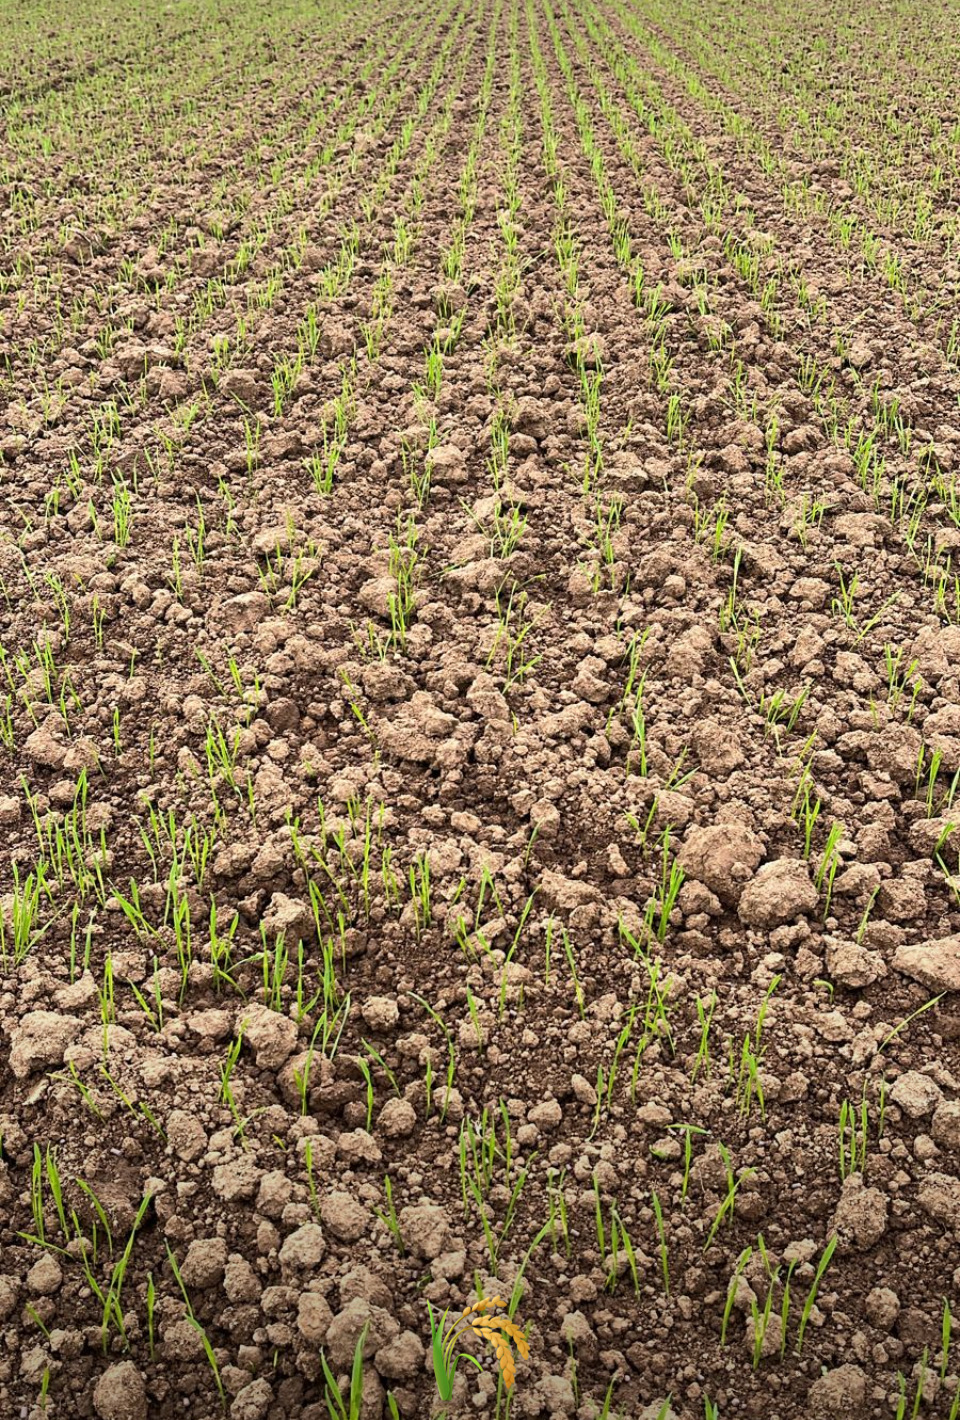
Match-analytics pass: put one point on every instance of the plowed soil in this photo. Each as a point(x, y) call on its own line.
point(479, 709)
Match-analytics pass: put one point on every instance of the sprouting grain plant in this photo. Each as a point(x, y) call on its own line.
point(389, 1218)
point(662, 1241)
point(349, 1407)
point(853, 1135)
point(728, 1202)
point(191, 1319)
point(811, 1297)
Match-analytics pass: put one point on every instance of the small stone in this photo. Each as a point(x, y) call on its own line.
point(272, 1036)
point(840, 1392)
point(583, 1090)
point(718, 747)
point(424, 1229)
point(9, 1293)
point(356, 1146)
point(939, 1196)
point(449, 1265)
point(772, 1336)
point(397, 1119)
point(82, 754)
point(723, 857)
point(120, 1394)
point(344, 1331)
point(378, 595)
point(42, 748)
point(401, 1359)
point(40, 1040)
point(587, 684)
point(946, 1124)
point(283, 717)
point(850, 964)
point(545, 817)
point(240, 1282)
point(186, 1135)
point(576, 1331)
point(362, 1282)
point(882, 1307)
point(205, 1262)
point(346, 1219)
point(268, 1238)
point(916, 1094)
point(271, 540)
point(289, 917)
point(380, 1013)
point(253, 1402)
point(563, 893)
point(236, 1179)
point(313, 1317)
point(860, 1219)
point(276, 1191)
point(446, 465)
point(531, 417)
point(45, 1276)
point(654, 1114)
point(546, 1115)
point(936, 964)
point(211, 1026)
point(555, 1394)
point(303, 1249)
point(780, 892)
point(245, 612)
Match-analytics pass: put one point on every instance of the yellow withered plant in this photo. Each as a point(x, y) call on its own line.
point(480, 1318)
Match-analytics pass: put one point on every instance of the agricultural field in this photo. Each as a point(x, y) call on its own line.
point(479, 710)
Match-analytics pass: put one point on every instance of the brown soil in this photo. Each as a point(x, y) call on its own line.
point(479, 712)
